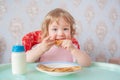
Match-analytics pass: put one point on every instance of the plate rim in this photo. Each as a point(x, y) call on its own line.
point(52, 73)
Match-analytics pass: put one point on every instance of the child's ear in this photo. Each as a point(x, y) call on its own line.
point(73, 31)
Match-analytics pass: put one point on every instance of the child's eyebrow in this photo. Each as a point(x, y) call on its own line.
point(54, 26)
point(66, 25)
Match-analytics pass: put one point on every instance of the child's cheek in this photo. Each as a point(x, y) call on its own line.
point(68, 36)
point(52, 34)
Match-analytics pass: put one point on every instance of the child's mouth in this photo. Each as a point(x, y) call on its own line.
point(58, 42)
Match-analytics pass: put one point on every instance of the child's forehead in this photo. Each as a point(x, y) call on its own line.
point(59, 20)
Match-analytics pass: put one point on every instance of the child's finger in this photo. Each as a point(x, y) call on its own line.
point(63, 43)
point(51, 43)
point(47, 38)
point(53, 37)
point(66, 43)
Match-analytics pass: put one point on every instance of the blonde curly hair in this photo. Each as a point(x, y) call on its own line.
point(54, 15)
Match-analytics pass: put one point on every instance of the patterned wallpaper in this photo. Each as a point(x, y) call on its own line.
point(97, 24)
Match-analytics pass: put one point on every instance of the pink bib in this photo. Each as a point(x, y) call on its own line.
point(56, 54)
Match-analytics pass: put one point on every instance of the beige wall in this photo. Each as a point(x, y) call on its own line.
point(98, 24)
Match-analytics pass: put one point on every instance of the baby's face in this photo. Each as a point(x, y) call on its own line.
point(60, 30)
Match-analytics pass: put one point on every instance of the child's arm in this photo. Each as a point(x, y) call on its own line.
point(81, 57)
point(35, 53)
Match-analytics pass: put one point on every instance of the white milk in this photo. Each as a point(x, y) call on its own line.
point(18, 60)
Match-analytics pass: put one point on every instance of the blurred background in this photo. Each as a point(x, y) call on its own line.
point(97, 24)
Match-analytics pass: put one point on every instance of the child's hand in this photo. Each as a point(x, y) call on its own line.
point(67, 44)
point(47, 43)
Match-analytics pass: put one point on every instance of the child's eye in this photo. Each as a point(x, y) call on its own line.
point(66, 29)
point(54, 29)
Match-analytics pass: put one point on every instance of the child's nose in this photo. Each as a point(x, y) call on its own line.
point(60, 32)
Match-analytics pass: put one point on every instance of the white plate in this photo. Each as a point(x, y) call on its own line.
point(58, 65)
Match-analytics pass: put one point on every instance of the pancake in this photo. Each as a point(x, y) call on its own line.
point(63, 69)
point(58, 42)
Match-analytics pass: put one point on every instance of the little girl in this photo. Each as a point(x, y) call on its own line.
point(57, 25)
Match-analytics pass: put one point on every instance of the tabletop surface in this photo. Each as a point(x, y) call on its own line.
point(97, 71)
